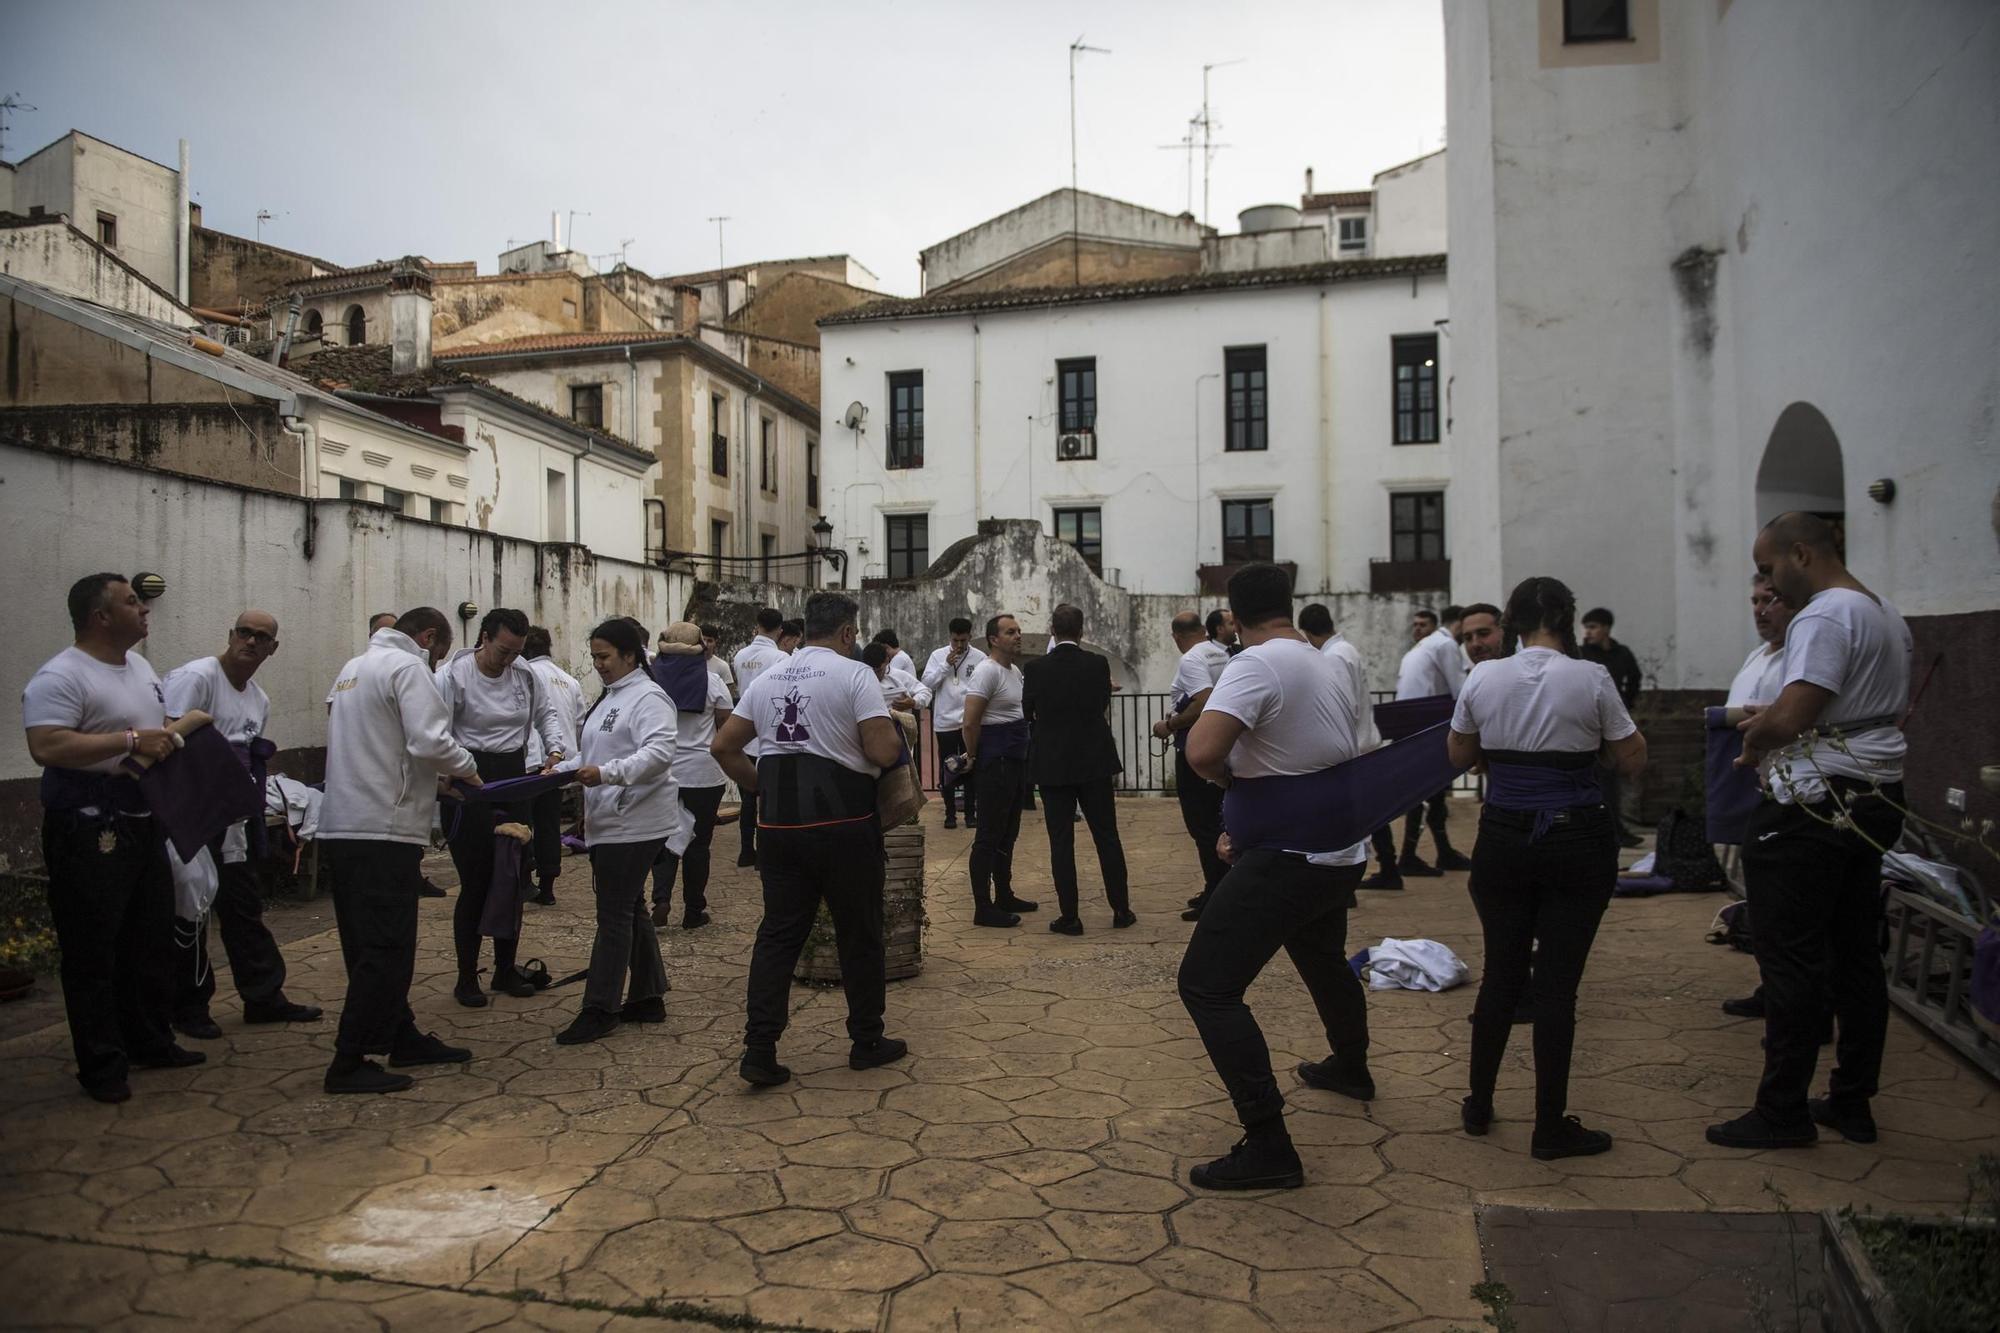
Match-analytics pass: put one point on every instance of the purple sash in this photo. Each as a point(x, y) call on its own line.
point(1733, 793)
point(684, 676)
point(509, 790)
point(511, 886)
point(1407, 717)
point(1003, 740)
point(1336, 807)
point(1180, 737)
point(199, 790)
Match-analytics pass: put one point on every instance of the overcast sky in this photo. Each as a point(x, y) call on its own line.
point(373, 130)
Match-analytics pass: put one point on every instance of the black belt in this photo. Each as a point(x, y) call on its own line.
point(1575, 814)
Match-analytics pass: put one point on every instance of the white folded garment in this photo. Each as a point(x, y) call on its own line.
point(1413, 965)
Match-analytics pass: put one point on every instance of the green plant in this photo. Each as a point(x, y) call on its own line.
point(1943, 1275)
point(27, 935)
point(1498, 1298)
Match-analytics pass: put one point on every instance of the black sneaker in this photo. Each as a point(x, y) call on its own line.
point(993, 916)
point(110, 1093)
point(169, 1057)
point(1253, 1164)
point(1329, 1076)
point(512, 983)
point(546, 898)
point(881, 1051)
point(367, 1076)
point(427, 1049)
point(1192, 914)
point(1475, 1117)
point(644, 1011)
point(468, 994)
point(762, 1069)
point(1451, 860)
point(1752, 1130)
point(1384, 879)
point(972, 821)
point(949, 822)
point(695, 922)
point(198, 1026)
point(1012, 904)
point(588, 1026)
point(281, 1011)
point(426, 890)
point(1750, 1006)
point(1568, 1138)
point(1855, 1123)
point(1198, 900)
point(1066, 925)
point(1120, 920)
point(1415, 867)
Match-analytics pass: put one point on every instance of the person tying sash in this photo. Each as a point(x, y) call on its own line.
point(701, 699)
point(996, 753)
point(1547, 856)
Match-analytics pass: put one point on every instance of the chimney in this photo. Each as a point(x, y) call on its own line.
point(687, 311)
point(181, 227)
point(410, 308)
point(1309, 180)
point(555, 229)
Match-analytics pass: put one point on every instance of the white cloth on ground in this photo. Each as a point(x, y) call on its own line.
point(1414, 965)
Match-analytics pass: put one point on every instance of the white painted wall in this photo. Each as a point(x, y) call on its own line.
point(1161, 469)
point(377, 455)
point(1411, 209)
point(58, 258)
point(507, 491)
point(141, 194)
point(1091, 216)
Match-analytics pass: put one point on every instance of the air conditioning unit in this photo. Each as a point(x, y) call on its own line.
point(1074, 445)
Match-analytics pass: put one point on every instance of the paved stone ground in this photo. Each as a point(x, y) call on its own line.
point(1025, 1167)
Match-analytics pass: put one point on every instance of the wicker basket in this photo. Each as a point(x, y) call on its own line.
point(902, 916)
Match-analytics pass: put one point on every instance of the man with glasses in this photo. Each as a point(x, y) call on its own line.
point(221, 686)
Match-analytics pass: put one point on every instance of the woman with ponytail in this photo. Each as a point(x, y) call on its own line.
point(1547, 856)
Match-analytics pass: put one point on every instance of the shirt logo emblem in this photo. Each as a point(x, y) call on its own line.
point(790, 724)
point(610, 720)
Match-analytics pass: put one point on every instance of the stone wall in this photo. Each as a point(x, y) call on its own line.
point(1055, 264)
point(237, 275)
point(792, 306)
point(241, 445)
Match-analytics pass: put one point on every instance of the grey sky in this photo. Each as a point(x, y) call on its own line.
point(377, 129)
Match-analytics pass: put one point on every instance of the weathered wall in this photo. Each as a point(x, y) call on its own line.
point(1281, 248)
point(507, 485)
point(792, 306)
point(236, 274)
point(49, 361)
point(241, 445)
point(1954, 729)
point(1411, 208)
point(140, 193)
point(499, 306)
point(64, 259)
point(605, 310)
point(1055, 263)
point(977, 252)
point(253, 551)
point(793, 367)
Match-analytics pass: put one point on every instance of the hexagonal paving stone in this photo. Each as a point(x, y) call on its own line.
point(993, 1247)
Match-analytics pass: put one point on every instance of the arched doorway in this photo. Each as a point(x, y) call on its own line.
point(1801, 469)
point(315, 326)
point(357, 326)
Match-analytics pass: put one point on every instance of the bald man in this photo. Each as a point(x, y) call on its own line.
point(221, 686)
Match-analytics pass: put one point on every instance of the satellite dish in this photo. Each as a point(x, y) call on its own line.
point(856, 414)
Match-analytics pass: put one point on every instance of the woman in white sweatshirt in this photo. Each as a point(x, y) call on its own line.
point(631, 810)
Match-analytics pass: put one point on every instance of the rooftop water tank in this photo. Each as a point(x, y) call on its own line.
point(1267, 217)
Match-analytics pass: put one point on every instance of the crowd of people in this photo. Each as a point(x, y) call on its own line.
point(1269, 709)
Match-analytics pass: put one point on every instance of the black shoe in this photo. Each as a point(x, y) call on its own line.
point(1568, 1138)
point(746, 859)
point(1415, 867)
point(1199, 900)
point(1012, 904)
point(512, 983)
point(1750, 1006)
point(644, 1011)
point(1329, 1076)
point(588, 1026)
point(427, 1049)
point(110, 1093)
point(881, 1051)
point(1451, 860)
point(535, 972)
point(949, 822)
point(169, 1057)
point(1384, 879)
point(1066, 925)
point(972, 821)
point(695, 922)
point(1855, 1123)
point(1752, 1130)
point(1120, 920)
point(367, 1076)
point(468, 994)
point(424, 890)
point(546, 898)
point(199, 1026)
point(993, 916)
point(1475, 1117)
point(1253, 1164)
point(281, 1011)
point(1192, 914)
point(1630, 840)
point(762, 1069)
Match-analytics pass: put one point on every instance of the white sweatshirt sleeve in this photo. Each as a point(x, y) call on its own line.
point(542, 704)
point(653, 724)
point(935, 672)
point(427, 724)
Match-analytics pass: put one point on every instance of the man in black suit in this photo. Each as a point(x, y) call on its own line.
point(1073, 759)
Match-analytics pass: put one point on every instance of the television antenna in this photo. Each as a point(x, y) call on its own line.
point(1187, 144)
point(1076, 48)
point(8, 106)
point(1208, 126)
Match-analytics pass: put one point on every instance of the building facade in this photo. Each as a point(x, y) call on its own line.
point(129, 204)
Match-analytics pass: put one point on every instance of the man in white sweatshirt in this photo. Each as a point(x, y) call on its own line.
point(388, 741)
point(752, 660)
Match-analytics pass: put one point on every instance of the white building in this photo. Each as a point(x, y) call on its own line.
point(1713, 261)
point(134, 207)
point(1169, 428)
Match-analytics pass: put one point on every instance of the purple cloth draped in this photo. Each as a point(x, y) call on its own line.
point(1732, 792)
point(1407, 717)
point(199, 790)
point(1003, 740)
point(1180, 701)
point(1986, 975)
point(509, 790)
point(684, 676)
point(511, 887)
point(1336, 807)
point(1540, 790)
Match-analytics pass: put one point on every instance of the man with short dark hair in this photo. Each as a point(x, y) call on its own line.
point(111, 896)
point(1221, 627)
point(380, 620)
point(790, 635)
point(753, 659)
point(564, 693)
point(944, 676)
point(711, 649)
point(1479, 633)
point(1073, 759)
point(826, 739)
point(1202, 660)
point(1433, 666)
point(898, 659)
point(1598, 646)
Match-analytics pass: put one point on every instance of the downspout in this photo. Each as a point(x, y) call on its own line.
point(308, 439)
point(1326, 442)
point(977, 490)
point(749, 514)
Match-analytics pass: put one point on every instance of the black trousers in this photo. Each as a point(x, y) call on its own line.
point(1613, 787)
point(1100, 812)
point(469, 834)
point(111, 897)
point(1002, 785)
point(1271, 900)
point(1550, 892)
point(375, 888)
point(1384, 839)
point(702, 803)
point(625, 954)
point(842, 865)
point(1432, 812)
point(545, 817)
point(1815, 894)
point(747, 822)
point(951, 743)
point(1201, 812)
point(256, 965)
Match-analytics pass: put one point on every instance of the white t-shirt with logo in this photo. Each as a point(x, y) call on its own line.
point(1298, 707)
point(694, 766)
point(752, 659)
point(241, 716)
point(75, 691)
point(947, 685)
point(1539, 699)
point(814, 702)
point(1000, 687)
point(564, 693)
point(1759, 679)
point(1199, 668)
point(1846, 642)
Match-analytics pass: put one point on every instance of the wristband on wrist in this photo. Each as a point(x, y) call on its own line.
point(131, 741)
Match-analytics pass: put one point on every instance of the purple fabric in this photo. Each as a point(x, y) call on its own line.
point(199, 790)
point(1003, 740)
point(1986, 974)
point(1180, 701)
point(1542, 790)
point(511, 887)
point(1407, 717)
point(684, 676)
point(509, 790)
point(1335, 808)
point(1641, 886)
point(1733, 793)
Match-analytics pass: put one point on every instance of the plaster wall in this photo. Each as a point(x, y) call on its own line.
point(1411, 209)
point(1282, 248)
point(500, 306)
point(235, 273)
point(1091, 217)
point(140, 194)
point(56, 256)
point(507, 489)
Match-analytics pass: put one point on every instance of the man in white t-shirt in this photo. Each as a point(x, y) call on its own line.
point(1202, 660)
point(898, 659)
point(111, 896)
point(944, 676)
point(1432, 666)
point(1812, 855)
point(825, 737)
point(221, 686)
point(711, 647)
point(565, 697)
point(996, 756)
point(1280, 711)
point(752, 660)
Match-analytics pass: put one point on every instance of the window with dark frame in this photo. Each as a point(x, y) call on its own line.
point(1597, 21)
point(812, 473)
point(718, 441)
point(1416, 526)
point(586, 405)
point(906, 419)
point(909, 544)
point(718, 542)
point(1353, 234)
point(107, 230)
point(1083, 529)
point(767, 550)
point(767, 448)
point(1245, 422)
point(1246, 531)
point(1076, 382)
point(1414, 371)
point(349, 490)
point(395, 499)
point(440, 511)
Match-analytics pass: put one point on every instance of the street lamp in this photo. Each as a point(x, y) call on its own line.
point(822, 532)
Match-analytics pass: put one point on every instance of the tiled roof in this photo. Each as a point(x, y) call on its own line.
point(953, 303)
point(555, 342)
point(1338, 199)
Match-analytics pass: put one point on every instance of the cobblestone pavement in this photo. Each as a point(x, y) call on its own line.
point(1024, 1167)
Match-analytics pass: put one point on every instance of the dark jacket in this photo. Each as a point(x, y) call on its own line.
point(1618, 660)
point(1065, 696)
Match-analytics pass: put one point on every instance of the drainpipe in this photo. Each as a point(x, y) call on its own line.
point(308, 438)
point(182, 202)
point(976, 490)
point(1326, 441)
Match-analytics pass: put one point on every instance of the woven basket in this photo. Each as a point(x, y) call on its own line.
point(902, 916)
